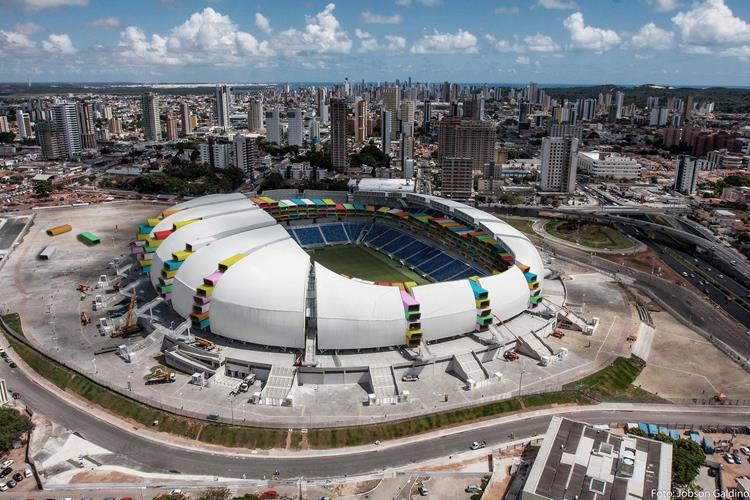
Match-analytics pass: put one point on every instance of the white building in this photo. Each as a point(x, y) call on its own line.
point(151, 119)
point(23, 122)
point(273, 126)
point(686, 174)
point(186, 119)
point(221, 106)
point(559, 164)
point(65, 116)
point(216, 154)
point(296, 129)
point(255, 116)
point(606, 164)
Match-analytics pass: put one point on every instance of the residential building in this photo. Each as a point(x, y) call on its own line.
point(86, 124)
point(296, 129)
point(408, 168)
point(114, 125)
point(315, 131)
point(361, 120)
point(23, 122)
point(426, 115)
point(579, 460)
point(187, 125)
point(65, 117)
point(658, 116)
point(51, 140)
point(686, 174)
point(322, 107)
point(216, 154)
point(457, 177)
point(608, 165)
point(255, 116)
point(408, 112)
point(221, 106)
point(559, 163)
point(459, 138)
point(339, 160)
point(4, 126)
point(151, 119)
point(246, 155)
point(171, 125)
point(385, 130)
point(619, 101)
point(392, 103)
point(273, 126)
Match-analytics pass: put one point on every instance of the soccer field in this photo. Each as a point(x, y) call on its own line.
point(361, 262)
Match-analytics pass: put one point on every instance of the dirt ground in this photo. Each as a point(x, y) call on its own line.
point(684, 365)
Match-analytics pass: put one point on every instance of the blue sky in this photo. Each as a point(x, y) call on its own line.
point(695, 42)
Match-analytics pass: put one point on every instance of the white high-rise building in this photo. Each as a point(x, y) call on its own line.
point(246, 156)
point(4, 126)
point(608, 165)
point(385, 129)
point(215, 153)
point(151, 119)
point(187, 124)
point(408, 110)
point(255, 116)
point(392, 104)
point(559, 164)
point(361, 119)
point(221, 106)
point(315, 131)
point(320, 98)
point(686, 174)
point(296, 129)
point(408, 169)
point(23, 122)
point(65, 117)
point(619, 100)
point(658, 116)
point(273, 126)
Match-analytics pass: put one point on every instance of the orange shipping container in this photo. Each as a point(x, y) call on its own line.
point(59, 230)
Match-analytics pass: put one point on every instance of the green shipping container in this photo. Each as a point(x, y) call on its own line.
point(89, 238)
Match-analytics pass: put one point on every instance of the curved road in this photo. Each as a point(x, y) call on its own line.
point(155, 456)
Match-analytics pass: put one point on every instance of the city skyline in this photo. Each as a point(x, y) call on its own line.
point(656, 41)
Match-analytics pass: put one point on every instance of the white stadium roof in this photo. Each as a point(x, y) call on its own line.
point(209, 199)
point(448, 308)
point(204, 212)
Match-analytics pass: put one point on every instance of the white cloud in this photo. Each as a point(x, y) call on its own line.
point(322, 35)
point(27, 28)
point(48, 4)
point(429, 3)
point(12, 42)
point(207, 37)
point(370, 18)
point(369, 43)
point(697, 49)
point(262, 23)
point(742, 52)
point(105, 23)
point(403, 3)
point(437, 43)
point(540, 43)
point(505, 45)
point(584, 37)
point(507, 10)
point(711, 23)
point(58, 44)
point(664, 5)
point(652, 37)
point(523, 60)
point(557, 4)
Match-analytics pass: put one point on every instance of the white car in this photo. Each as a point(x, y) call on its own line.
point(5, 464)
point(476, 445)
point(3, 487)
point(27, 472)
point(729, 458)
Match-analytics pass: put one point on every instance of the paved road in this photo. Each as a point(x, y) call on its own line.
point(161, 457)
point(10, 231)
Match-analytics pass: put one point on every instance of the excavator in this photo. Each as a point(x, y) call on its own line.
point(130, 326)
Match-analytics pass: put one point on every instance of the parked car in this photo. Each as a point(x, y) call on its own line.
point(745, 450)
point(423, 491)
point(476, 445)
point(410, 378)
point(12, 484)
point(473, 488)
point(12, 364)
point(737, 458)
point(27, 472)
point(5, 472)
point(3, 487)
point(18, 477)
point(729, 458)
point(5, 464)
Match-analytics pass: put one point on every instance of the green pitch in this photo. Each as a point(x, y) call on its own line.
point(361, 262)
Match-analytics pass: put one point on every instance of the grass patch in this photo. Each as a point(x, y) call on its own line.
point(588, 234)
point(610, 384)
point(523, 225)
point(13, 320)
point(364, 263)
point(615, 383)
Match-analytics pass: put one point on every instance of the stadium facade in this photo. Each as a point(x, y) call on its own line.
point(238, 267)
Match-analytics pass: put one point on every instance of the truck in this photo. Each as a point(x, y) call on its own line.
point(160, 377)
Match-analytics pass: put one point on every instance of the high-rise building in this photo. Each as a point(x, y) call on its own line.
point(385, 130)
point(619, 101)
point(361, 118)
point(151, 119)
point(408, 169)
point(65, 117)
point(406, 148)
point(51, 140)
point(221, 106)
point(457, 177)
point(255, 116)
point(588, 110)
point(532, 90)
point(392, 103)
point(408, 110)
point(273, 126)
point(296, 129)
point(338, 133)
point(559, 164)
point(426, 113)
point(187, 124)
point(216, 154)
point(86, 124)
point(171, 125)
point(658, 116)
point(114, 125)
point(474, 107)
point(320, 98)
point(686, 174)
point(315, 131)
point(23, 122)
point(246, 156)
point(4, 126)
point(689, 104)
point(459, 138)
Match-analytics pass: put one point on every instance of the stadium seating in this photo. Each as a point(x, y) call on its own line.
point(452, 269)
point(354, 230)
point(435, 263)
point(308, 236)
point(334, 233)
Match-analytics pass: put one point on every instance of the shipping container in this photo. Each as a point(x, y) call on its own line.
point(89, 238)
point(47, 253)
point(54, 231)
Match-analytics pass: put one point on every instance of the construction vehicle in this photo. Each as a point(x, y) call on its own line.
point(130, 326)
point(558, 334)
point(160, 376)
point(85, 318)
point(204, 344)
point(510, 355)
point(83, 288)
point(632, 337)
point(719, 396)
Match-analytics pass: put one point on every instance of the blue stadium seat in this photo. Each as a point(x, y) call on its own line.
point(398, 243)
point(308, 236)
point(354, 230)
point(436, 263)
point(385, 238)
point(413, 247)
point(447, 272)
point(334, 233)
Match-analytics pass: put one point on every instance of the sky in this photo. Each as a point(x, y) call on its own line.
point(669, 42)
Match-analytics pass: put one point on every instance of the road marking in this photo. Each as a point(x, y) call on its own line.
point(605, 338)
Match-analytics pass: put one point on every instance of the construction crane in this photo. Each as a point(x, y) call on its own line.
point(204, 344)
point(130, 326)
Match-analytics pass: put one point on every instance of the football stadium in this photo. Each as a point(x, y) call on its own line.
point(382, 270)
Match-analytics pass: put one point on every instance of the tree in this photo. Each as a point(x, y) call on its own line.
point(687, 459)
point(7, 137)
point(43, 189)
point(13, 424)
point(171, 496)
point(215, 494)
point(635, 431)
point(273, 181)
